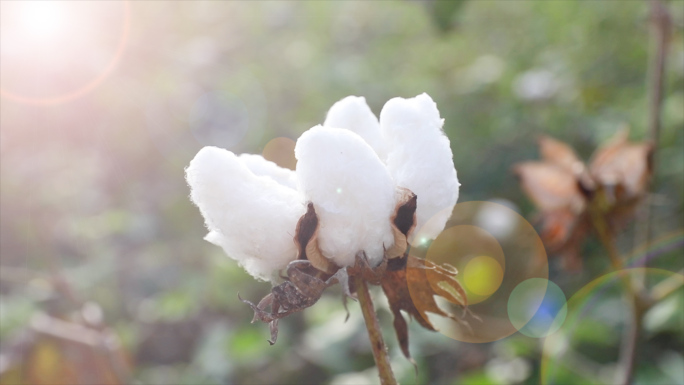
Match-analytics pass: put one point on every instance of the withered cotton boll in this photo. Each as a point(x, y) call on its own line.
point(251, 217)
point(419, 158)
point(351, 190)
point(354, 114)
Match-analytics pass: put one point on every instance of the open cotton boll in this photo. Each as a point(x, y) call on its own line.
point(354, 114)
point(253, 218)
point(262, 167)
point(351, 190)
point(419, 158)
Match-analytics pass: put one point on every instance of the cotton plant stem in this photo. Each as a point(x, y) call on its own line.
point(660, 29)
point(628, 349)
point(377, 343)
point(660, 19)
point(660, 32)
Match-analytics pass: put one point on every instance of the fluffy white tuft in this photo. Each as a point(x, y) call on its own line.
point(354, 114)
point(352, 192)
point(253, 218)
point(262, 167)
point(419, 158)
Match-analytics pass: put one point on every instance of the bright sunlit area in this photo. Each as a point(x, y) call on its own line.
point(341, 192)
point(53, 51)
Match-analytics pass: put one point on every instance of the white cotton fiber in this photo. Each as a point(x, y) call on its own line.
point(253, 218)
point(352, 192)
point(419, 158)
point(262, 167)
point(354, 114)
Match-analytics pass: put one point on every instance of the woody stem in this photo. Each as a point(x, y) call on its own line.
point(377, 343)
point(630, 341)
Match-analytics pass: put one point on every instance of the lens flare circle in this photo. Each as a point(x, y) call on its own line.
point(44, 20)
point(482, 275)
point(597, 317)
point(537, 307)
point(280, 151)
point(492, 259)
point(476, 254)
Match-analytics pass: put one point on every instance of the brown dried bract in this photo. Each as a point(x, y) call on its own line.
point(306, 238)
point(403, 222)
point(426, 280)
point(308, 276)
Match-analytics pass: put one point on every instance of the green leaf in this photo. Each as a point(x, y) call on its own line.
point(444, 13)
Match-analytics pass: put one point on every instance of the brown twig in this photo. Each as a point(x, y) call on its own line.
point(630, 340)
point(377, 343)
point(631, 337)
point(660, 31)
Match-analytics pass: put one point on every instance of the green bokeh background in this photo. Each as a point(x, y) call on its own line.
point(94, 187)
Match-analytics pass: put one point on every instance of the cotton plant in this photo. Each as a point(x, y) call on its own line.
point(364, 190)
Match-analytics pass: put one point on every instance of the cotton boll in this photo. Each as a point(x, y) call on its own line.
point(419, 158)
point(351, 190)
point(354, 114)
point(253, 218)
point(262, 167)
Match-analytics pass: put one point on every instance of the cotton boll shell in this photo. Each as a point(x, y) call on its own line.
point(262, 167)
point(419, 158)
point(351, 190)
point(354, 114)
point(306, 239)
point(253, 218)
point(403, 221)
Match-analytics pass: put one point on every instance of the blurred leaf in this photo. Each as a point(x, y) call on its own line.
point(444, 13)
point(54, 351)
point(176, 305)
point(520, 346)
point(15, 311)
point(45, 366)
point(667, 315)
point(672, 364)
point(594, 332)
point(476, 378)
point(248, 344)
point(213, 355)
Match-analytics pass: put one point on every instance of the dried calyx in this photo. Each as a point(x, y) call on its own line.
point(572, 196)
point(308, 276)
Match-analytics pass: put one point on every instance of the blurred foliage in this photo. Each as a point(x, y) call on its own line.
point(92, 190)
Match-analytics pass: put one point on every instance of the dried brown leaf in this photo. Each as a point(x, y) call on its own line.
point(549, 186)
point(554, 151)
point(55, 351)
point(559, 153)
point(426, 280)
point(624, 166)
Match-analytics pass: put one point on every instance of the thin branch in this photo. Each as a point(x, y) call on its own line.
point(377, 343)
point(630, 340)
point(660, 31)
point(631, 337)
point(660, 35)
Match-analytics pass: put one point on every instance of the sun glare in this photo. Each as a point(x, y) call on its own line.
point(43, 19)
point(54, 51)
